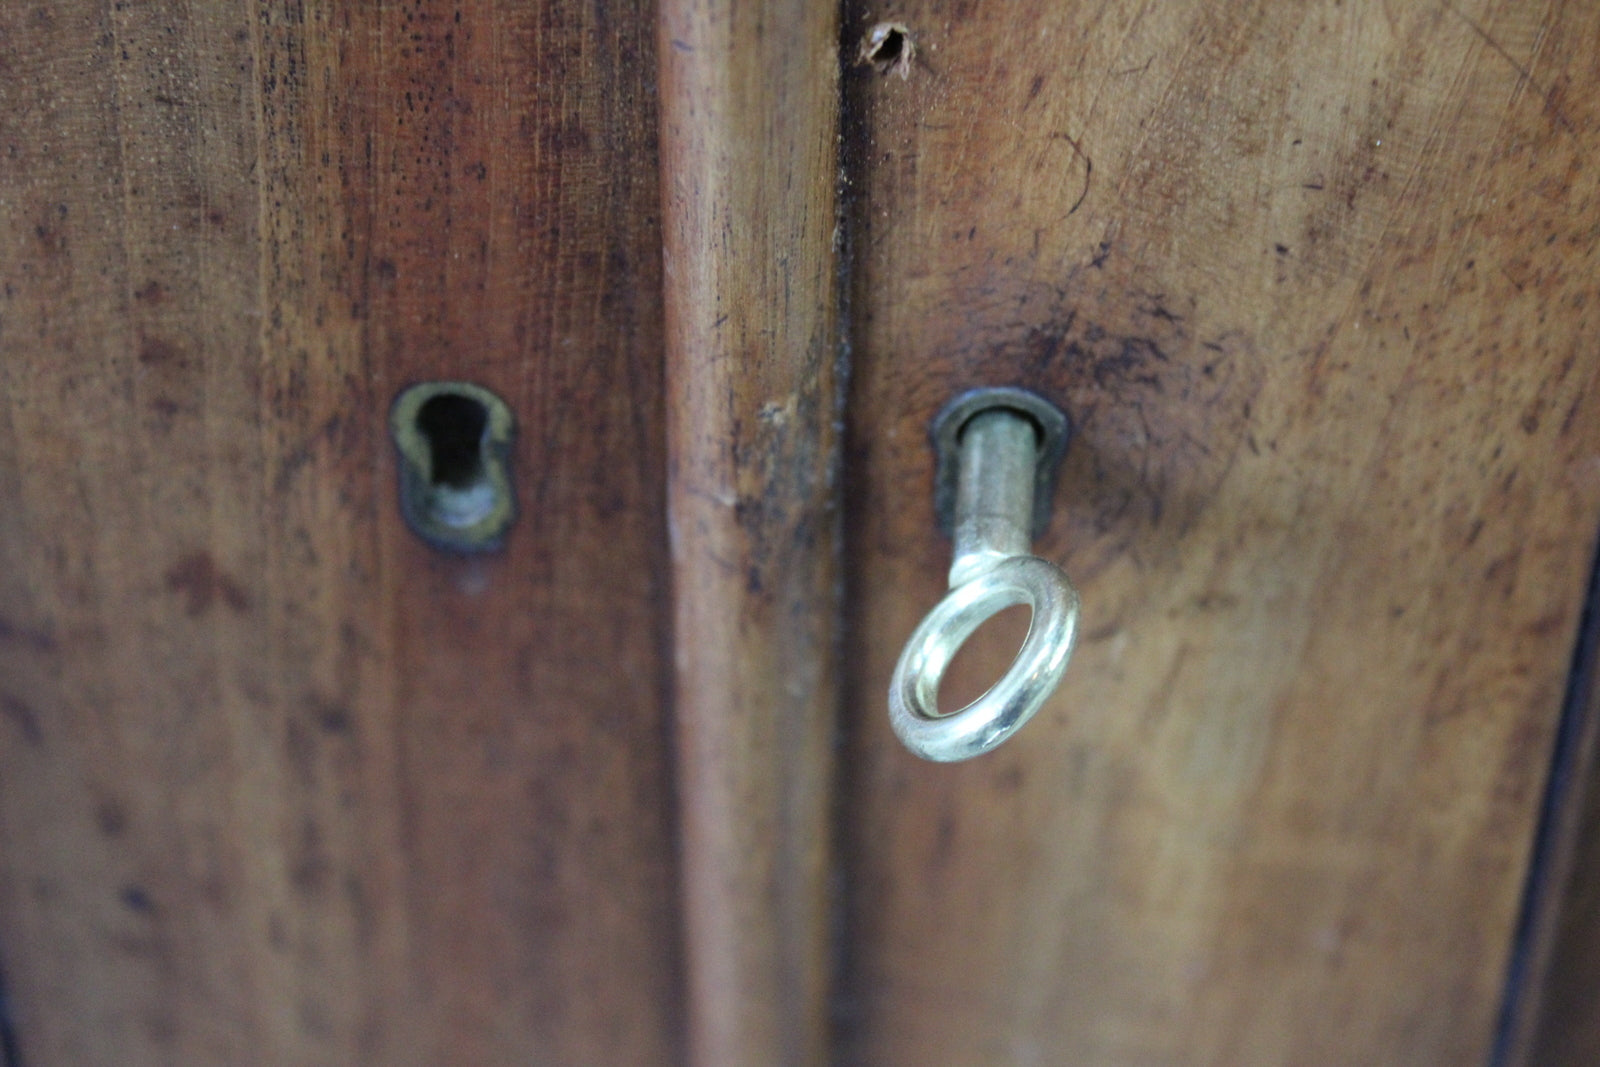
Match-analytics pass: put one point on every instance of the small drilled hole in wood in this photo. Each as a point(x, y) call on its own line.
point(983, 659)
point(889, 48)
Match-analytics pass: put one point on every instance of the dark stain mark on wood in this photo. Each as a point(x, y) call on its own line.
point(1010, 780)
point(166, 411)
point(1160, 394)
point(156, 352)
point(136, 899)
point(39, 640)
point(198, 579)
point(330, 716)
point(1138, 380)
point(19, 712)
point(111, 817)
point(152, 292)
point(309, 864)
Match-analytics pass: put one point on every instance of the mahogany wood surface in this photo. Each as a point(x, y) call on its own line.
point(1316, 283)
point(279, 784)
point(750, 104)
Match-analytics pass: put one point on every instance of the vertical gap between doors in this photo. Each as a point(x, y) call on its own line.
point(1555, 840)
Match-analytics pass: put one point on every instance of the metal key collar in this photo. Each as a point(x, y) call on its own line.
point(998, 449)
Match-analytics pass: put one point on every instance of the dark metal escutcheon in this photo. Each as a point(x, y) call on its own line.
point(1054, 432)
point(454, 440)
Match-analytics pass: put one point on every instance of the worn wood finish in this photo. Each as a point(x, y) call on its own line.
point(1316, 283)
point(279, 784)
point(749, 104)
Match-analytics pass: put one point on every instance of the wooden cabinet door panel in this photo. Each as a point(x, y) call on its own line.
point(280, 784)
point(1315, 283)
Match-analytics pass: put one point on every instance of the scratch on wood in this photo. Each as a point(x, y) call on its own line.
point(1524, 75)
point(1134, 70)
point(1088, 170)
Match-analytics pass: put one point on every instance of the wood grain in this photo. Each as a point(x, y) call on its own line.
point(278, 783)
point(749, 106)
point(1315, 283)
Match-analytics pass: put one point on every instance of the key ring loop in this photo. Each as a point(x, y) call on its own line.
point(1020, 692)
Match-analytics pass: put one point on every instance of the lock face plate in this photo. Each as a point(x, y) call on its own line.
point(454, 445)
point(1054, 432)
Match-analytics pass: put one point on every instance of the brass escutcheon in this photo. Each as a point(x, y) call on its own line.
point(454, 440)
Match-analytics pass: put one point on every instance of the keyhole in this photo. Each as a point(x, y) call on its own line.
point(454, 425)
point(454, 440)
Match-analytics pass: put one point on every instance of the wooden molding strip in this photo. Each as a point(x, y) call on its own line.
point(749, 114)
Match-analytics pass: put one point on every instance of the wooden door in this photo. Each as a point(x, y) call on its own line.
point(1316, 283)
point(280, 783)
